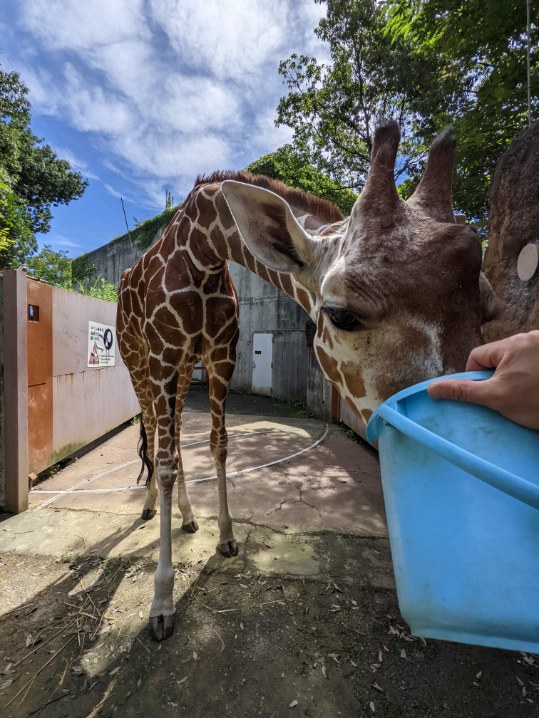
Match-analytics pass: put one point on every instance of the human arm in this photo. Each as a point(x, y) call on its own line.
point(513, 389)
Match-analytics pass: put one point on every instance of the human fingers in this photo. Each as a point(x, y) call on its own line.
point(476, 392)
point(488, 356)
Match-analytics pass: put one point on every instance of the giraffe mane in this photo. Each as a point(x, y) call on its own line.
point(321, 208)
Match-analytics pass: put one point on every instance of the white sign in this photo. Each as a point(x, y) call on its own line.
point(101, 345)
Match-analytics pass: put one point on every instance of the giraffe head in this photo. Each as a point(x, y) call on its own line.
point(398, 293)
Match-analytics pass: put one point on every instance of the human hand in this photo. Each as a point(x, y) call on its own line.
point(513, 389)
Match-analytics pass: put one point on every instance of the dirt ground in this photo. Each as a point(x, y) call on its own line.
point(303, 622)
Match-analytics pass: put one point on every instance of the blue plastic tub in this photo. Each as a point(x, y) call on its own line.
point(461, 489)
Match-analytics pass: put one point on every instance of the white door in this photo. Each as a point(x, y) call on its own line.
point(262, 363)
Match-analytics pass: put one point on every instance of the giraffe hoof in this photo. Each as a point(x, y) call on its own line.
point(148, 514)
point(228, 549)
point(191, 527)
point(161, 627)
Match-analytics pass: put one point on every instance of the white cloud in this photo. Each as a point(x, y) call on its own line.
point(58, 240)
point(196, 105)
point(113, 192)
point(132, 68)
point(266, 134)
point(79, 26)
point(172, 155)
point(84, 103)
point(165, 89)
point(77, 164)
point(230, 39)
point(94, 109)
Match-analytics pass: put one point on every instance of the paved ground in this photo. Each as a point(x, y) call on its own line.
point(303, 622)
point(316, 488)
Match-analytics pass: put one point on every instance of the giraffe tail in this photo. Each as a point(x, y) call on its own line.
point(143, 453)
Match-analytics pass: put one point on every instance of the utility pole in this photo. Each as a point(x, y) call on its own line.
point(528, 52)
point(127, 226)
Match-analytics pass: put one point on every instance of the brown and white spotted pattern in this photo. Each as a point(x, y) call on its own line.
point(394, 291)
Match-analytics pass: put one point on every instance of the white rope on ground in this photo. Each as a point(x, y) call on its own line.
point(72, 489)
point(264, 466)
point(59, 494)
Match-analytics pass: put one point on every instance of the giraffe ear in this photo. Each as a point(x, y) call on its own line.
point(267, 226)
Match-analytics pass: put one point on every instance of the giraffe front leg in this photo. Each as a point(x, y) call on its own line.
point(162, 610)
point(228, 546)
point(219, 380)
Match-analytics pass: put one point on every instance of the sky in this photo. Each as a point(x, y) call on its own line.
point(141, 96)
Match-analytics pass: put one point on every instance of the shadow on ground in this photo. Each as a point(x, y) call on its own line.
point(245, 643)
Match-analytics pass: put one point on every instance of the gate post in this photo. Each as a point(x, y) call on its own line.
point(15, 391)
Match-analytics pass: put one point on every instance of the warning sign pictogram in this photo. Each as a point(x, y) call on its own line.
point(101, 345)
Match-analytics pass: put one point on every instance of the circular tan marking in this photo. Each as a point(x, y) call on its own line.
point(528, 261)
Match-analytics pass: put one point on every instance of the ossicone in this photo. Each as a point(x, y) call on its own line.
point(380, 196)
point(433, 193)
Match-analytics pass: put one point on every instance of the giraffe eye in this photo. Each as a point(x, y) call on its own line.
point(343, 319)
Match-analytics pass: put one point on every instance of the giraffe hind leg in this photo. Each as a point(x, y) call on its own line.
point(148, 427)
point(189, 522)
point(148, 512)
point(135, 356)
point(142, 451)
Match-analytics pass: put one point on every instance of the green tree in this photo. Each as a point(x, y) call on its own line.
point(294, 169)
point(35, 176)
point(426, 63)
point(57, 269)
point(481, 49)
point(334, 106)
point(98, 288)
point(51, 266)
point(14, 223)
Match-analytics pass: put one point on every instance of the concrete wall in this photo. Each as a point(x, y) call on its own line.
point(320, 398)
point(88, 402)
point(264, 308)
point(110, 260)
point(296, 375)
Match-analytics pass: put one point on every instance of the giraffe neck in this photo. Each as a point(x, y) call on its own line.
point(212, 238)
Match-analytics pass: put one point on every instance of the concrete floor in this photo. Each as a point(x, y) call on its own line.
point(285, 470)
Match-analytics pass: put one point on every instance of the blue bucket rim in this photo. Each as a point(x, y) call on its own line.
point(387, 413)
point(375, 423)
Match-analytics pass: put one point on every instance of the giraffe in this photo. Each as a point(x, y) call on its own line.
point(394, 290)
